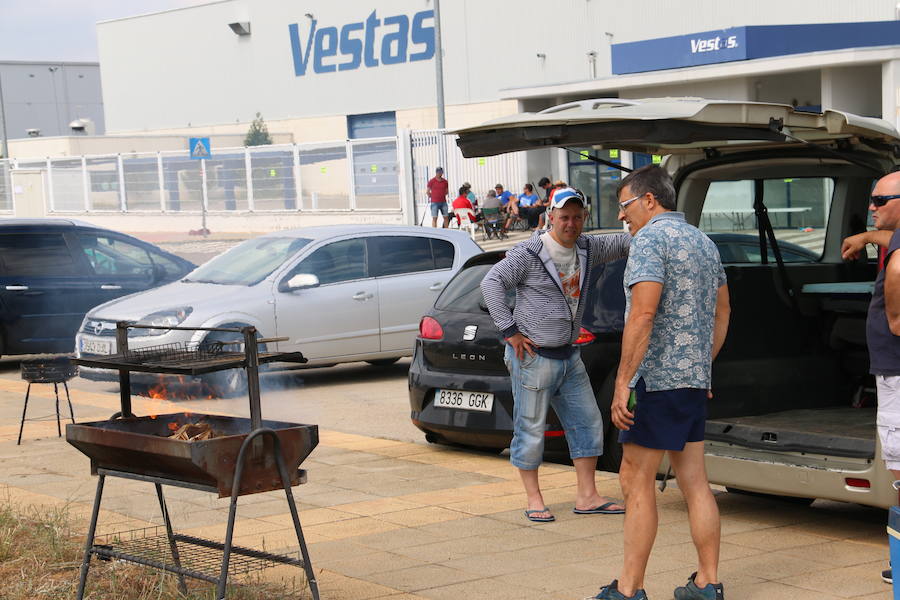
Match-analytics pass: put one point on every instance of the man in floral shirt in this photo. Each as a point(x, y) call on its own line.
point(676, 319)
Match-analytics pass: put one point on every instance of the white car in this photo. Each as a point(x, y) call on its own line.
point(338, 293)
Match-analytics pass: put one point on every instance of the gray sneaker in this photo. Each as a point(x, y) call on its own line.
point(611, 592)
point(711, 591)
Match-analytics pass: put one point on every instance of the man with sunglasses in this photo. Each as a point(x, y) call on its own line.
point(883, 320)
point(676, 319)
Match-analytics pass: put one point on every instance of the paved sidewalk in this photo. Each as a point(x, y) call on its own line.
point(389, 519)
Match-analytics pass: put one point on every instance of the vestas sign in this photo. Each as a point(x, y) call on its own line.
point(370, 43)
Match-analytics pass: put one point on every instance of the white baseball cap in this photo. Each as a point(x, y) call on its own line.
point(563, 195)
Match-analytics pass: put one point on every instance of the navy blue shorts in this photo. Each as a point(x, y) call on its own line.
point(668, 419)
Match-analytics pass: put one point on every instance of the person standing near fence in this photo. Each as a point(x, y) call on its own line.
point(437, 191)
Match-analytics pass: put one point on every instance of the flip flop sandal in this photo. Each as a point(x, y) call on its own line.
point(529, 514)
point(603, 509)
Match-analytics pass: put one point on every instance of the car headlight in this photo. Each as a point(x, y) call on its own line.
point(164, 318)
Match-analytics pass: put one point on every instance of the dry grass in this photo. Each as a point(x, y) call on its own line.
point(40, 558)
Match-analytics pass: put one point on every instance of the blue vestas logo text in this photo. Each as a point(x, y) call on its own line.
point(356, 42)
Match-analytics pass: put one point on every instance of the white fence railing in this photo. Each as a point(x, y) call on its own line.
point(343, 175)
point(327, 176)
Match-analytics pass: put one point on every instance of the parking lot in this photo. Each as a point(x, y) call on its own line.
point(388, 516)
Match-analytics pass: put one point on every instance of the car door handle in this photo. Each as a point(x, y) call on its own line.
point(362, 296)
point(110, 286)
point(436, 286)
point(17, 288)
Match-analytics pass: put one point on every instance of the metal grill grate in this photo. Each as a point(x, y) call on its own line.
point(181, 352)
point(199, 558)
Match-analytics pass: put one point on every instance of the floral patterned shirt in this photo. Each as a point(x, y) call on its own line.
point(670, 251)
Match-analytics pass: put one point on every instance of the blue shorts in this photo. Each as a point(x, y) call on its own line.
point(667, 419)
point(438, 207)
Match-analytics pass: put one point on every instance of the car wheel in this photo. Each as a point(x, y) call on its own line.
point(799, 501)
point(233, 382)
point(383, 362)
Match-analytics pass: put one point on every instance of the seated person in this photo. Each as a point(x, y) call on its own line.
point(505, 199)
point(530, 206)
point(462, 203)
point(471, 195)
point(490, 200)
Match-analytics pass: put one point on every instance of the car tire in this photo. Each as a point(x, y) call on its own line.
point(383, 362)
point(799, 501)
point(233, 382)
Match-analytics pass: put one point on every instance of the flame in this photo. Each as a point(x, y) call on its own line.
point(169, 388)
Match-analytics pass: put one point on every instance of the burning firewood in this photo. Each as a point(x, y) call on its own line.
point(193, 432)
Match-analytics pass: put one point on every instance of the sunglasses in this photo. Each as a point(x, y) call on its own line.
point(624, 205)
point(882, 200)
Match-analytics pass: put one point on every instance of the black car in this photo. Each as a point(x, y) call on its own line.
point(458, 383)
point(53, 271)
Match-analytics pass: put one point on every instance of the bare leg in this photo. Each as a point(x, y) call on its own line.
point(535, 500)
point(434, 221)
point(586, 494)
point(637, 476)
point(446, 221)
point(690, 472)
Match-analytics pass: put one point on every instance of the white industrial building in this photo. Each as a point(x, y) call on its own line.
point(340, 80)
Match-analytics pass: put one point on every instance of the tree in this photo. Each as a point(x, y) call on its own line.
point(258, 134)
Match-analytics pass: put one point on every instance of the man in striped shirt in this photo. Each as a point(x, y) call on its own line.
point(549, 273)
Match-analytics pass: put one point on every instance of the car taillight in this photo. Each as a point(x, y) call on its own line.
point(429, 329)
point(584, 337)
point(857, 483)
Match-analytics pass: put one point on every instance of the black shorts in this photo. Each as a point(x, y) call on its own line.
point(667, 419)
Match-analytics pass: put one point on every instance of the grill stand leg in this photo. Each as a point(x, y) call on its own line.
point(89, 543)
point(24, 410)
point(69, 400)
point(235, 489)
point(58, 426)
point(173, 548)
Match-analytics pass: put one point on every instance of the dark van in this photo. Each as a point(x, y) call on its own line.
point(52, 271)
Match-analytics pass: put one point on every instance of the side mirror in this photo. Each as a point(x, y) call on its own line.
point(301, 281)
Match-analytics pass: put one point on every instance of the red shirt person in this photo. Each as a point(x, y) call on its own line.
point(437, 190)
point(462, 201)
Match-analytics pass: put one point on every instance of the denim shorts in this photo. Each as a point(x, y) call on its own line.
point(667, 419)
point(438, 207)
point(539, 383)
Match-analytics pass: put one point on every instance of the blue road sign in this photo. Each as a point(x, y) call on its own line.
point(199, 147)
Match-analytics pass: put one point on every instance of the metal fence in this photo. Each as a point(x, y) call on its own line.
point(433, 148)
point(329, 176)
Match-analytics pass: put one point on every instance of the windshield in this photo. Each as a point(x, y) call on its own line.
point(248, 263)
point(463, 293)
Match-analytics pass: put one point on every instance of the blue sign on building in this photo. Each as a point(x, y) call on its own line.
point(746, 43)
point(199, 147)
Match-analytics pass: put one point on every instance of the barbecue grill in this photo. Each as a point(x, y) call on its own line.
point(244, 456)
point(53, 369)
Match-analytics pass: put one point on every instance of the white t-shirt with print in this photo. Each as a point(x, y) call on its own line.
point(568, 268)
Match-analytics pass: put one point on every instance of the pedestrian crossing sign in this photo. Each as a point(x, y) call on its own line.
point(199, 147)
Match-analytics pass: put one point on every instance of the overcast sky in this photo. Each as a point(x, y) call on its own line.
point(64, 30)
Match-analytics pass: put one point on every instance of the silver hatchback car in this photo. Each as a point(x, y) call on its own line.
point(338, 293)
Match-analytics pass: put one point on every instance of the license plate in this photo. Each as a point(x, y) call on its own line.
point(480, 401)
point(96, 347)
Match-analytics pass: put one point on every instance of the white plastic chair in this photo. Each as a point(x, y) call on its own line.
point(464, 218)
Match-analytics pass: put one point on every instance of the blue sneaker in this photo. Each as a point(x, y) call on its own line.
point(611, 592)
point(711, 591)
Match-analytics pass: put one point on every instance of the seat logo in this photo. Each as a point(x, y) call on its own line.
point(469, 333)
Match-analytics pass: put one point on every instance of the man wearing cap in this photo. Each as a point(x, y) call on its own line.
point(549, 273)
point(883, 320)
point(437, 190)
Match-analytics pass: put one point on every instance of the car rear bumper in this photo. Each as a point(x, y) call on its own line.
point(473, 428)
point(804, 476)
